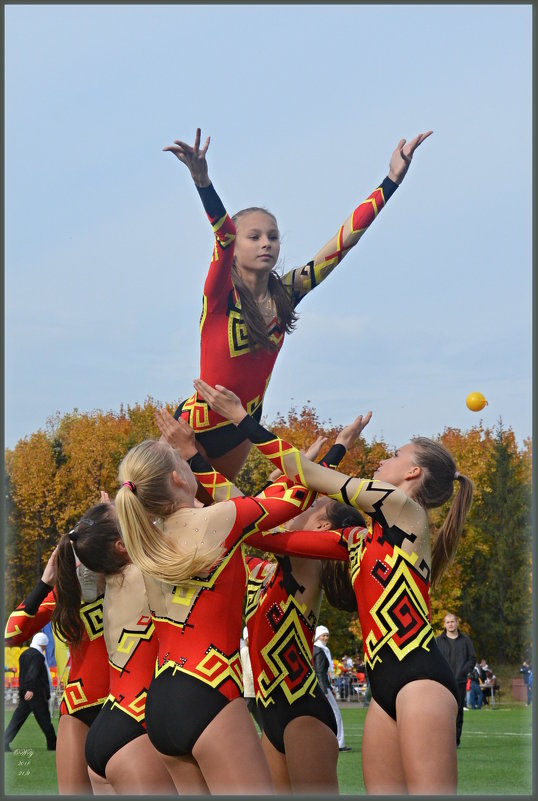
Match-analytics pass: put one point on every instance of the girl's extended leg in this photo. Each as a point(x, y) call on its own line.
point(230, 755)
point(278, 767)
point(71, 765)
point(426, 719)
point(137, 769)
point(382, 767)
point(311, 755)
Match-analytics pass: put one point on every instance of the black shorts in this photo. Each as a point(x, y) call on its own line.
point(88, 714)
point(220, 440)
point(388, 678)
point(276, 716)
point(178, 709)
point(111, 730)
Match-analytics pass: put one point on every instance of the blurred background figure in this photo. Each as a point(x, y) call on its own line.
point(34, 693)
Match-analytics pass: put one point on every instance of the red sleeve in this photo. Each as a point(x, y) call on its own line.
point(309, 544)
point(264, 512)
point(30, 616)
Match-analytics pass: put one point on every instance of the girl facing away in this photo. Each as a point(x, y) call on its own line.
point(195, 576)
point(409, 742)
point(248, 307)
point(117, 748)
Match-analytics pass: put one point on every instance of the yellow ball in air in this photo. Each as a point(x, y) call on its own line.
point(476, 401)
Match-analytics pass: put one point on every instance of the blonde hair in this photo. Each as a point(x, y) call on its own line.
point(149, 467)
point(437, 485)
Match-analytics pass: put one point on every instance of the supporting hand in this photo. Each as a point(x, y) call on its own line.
point(177, 433)
point(401, 158)
point(49, 573)
point(221, 400)
point(352, 432)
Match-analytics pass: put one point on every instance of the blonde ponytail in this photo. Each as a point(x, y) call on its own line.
point(146, 493)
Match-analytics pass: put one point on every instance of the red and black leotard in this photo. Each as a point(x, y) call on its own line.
point(225, 356)
point(86, 687)
point(390, 570)
point(132, 651)
point(198, 623)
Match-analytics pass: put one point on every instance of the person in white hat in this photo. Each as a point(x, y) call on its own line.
point(249, 693)
point(34, 693)
point(323, 665)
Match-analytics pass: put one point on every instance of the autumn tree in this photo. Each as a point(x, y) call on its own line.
point(498, 604)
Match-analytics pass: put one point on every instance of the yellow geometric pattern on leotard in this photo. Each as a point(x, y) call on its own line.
point(400, 596)
point(276, 655)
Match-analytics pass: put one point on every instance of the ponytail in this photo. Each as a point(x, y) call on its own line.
point(448, 537)
point(436, 488)
point(146, 494)
point(66, 618)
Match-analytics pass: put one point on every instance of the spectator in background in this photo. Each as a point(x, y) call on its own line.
point(248, 680)
point(526, 671)
point(475, 690)
point(344, 684)
point(34, 693)
point(459, 652)
point(489, 680)
point(323, 665)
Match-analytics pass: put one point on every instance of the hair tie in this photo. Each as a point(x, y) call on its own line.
point(73, 535)
point(456, 475)
point(131, 486)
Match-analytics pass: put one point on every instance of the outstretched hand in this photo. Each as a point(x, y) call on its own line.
point(177, 433)
point(221, 400)
point(401, 158)
point(352, 432)
point(193, 157)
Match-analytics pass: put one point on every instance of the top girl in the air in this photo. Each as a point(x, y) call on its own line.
point(248, 307)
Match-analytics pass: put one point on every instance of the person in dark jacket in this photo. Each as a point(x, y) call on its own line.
point(323, 666)
point(34, 693)
point(459, 652)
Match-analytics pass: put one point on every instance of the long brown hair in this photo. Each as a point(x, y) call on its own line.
point(92, 541)
point(335, 575)
point(436, 487)
point(254, 322)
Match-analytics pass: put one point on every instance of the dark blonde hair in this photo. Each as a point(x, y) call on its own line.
point(148, 468)
point(255, 324)
point(436, 488)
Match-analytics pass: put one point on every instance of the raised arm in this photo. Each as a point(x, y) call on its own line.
point(218, 280)
point(378, 499)
point(303, 279)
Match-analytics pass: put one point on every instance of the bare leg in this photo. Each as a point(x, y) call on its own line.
point(100, 786)
point(312, 755)
point(71, 765)
point(137, 769)
point(426, 719)
point(277, 766)
point(382, 767)
point(230, 755)
point(186, 775)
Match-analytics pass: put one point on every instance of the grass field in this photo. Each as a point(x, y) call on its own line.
point(494, 758)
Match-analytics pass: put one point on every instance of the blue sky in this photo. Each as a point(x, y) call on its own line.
point(107, 244)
